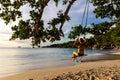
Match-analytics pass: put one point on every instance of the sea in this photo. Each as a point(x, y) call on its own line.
point(20, 60)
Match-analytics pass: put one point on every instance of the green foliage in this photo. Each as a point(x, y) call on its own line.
point(65, 2)
point(63, 45)
point(76, 31)
point(107, 8)
point(70, 44)
point(115, 34)
point(101, 28)
point(22, 31)
point(103, 32)
point(58, 20)
point(95, 29)
point(90, 42)
point(34, 27)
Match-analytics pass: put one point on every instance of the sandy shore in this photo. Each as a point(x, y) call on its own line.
point(52, 72)
point(44, 74)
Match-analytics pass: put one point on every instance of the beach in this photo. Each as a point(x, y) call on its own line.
point(106, 68)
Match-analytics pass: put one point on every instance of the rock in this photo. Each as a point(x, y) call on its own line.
point(96, 46)
point(102, 73)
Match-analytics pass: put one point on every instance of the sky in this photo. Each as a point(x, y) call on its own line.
point(76, 13)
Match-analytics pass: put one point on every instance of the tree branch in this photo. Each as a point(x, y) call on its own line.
point(65, 16)
point(36, 27)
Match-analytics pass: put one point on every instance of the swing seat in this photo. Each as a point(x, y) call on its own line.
point(75, 55)
point(78, 59)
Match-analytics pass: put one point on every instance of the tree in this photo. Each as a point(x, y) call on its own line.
point(103, 32)
point(115, 34)
point(103, 9)
point(77, 31)
point(107, 9)
point(34, 27)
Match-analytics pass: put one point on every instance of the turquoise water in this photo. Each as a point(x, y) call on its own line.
point(18, 60)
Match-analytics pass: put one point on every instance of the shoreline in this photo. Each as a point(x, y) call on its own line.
point(89, 62)
point(99, 57)
point(43, 74)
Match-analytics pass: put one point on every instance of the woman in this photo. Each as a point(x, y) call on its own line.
point(80, 44)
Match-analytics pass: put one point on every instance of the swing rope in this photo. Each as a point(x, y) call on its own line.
point(87, 14)
point(86, 10)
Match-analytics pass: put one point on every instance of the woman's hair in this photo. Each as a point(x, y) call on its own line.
point(81, 40)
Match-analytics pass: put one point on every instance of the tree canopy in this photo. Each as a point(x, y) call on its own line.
point(103, 9)
point(35, 27)
point(103, 32)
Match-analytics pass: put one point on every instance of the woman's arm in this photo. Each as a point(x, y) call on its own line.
point(85, 40)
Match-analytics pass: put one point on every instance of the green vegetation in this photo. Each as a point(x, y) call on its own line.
point(69, 44)
point(62, 45)
point(104, 33)
point(35, 29)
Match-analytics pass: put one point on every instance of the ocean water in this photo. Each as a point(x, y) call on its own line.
point(18, 60)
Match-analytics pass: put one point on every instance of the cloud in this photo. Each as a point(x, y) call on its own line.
point(50, 12)
point(76, 13)
point(25, 11)
point(4, 41)
point(5, 34)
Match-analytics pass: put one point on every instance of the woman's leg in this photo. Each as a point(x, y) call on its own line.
point(74, 55)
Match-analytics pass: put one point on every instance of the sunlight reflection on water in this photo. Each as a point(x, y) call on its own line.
point(16, 60)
